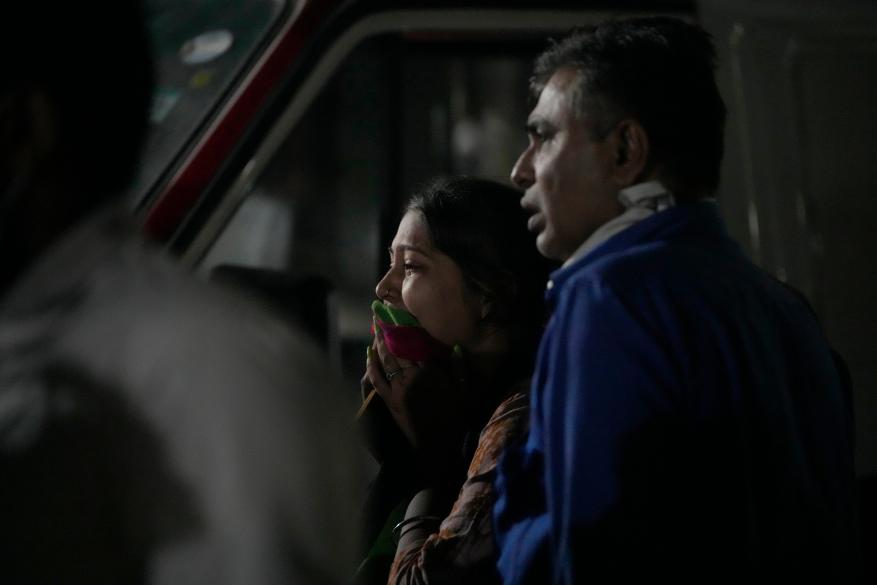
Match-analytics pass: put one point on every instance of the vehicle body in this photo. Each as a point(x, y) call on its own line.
point(240, 148)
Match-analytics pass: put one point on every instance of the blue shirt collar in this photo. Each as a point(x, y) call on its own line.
point(700, 218)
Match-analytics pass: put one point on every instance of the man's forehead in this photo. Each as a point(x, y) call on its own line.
point(556, 100)
point(564, 78)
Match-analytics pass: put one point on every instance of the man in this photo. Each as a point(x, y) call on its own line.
point(152, 430)
point(688, 422)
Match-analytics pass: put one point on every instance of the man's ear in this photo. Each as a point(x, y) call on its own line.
point(632, 149)
point(27, 133)
point(31, 214)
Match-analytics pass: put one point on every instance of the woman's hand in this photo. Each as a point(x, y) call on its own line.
point(425, 401)
point(392, 378)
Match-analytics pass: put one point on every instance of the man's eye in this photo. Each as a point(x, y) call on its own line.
point(545, 135)
point(410, 267)
point(538, 139)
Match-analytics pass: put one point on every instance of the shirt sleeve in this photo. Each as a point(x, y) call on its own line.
point(463, 550)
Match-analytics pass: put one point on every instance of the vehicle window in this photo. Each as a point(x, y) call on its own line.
point(399, 110)
point(201, 47)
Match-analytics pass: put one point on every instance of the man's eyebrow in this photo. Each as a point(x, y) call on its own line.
point(536, 124)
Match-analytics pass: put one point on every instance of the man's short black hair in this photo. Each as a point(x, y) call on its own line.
point(92, 62)
point(659, 71)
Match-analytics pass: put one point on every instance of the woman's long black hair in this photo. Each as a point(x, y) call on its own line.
point(480, 225)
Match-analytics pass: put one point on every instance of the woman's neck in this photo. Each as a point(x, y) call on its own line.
point(488, 362)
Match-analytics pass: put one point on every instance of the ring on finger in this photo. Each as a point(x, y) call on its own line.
point(394, 373)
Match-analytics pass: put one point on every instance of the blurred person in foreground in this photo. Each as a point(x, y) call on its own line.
point(152, 430)
point(453, 368)
point(689, 420)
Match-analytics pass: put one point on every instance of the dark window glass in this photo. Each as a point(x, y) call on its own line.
point(201, 48)
point(399, 110)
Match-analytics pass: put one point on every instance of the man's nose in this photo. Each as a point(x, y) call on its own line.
point(522, 172)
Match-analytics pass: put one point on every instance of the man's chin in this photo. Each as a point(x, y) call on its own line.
point(548, 247)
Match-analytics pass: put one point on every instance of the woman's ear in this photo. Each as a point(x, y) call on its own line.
point(506, 289)
point(632, 149)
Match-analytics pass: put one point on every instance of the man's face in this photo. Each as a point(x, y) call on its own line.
point(566, 173)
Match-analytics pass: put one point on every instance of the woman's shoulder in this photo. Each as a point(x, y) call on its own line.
point(510, 419)
point(509, 423)
point(515, 404)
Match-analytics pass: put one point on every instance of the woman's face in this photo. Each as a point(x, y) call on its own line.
point(429, 285)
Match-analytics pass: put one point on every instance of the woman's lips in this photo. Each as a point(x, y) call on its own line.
point(536, 222)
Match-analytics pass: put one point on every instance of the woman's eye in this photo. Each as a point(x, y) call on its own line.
point(410, 267)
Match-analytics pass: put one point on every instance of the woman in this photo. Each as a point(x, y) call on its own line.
point(464, 266)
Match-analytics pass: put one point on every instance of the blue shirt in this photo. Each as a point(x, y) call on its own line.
point(688, 421)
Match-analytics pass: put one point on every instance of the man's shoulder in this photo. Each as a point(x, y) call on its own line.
point(684, 281)
point(682, 244)
point(109, 303)
point(636, 266)
point(685, 274)
point(166, 323)
point(244, 409)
